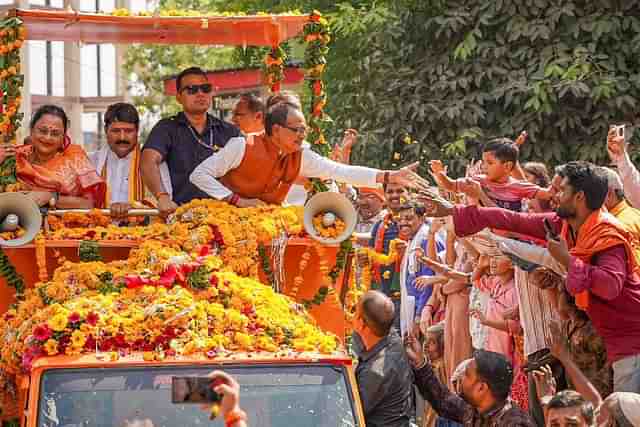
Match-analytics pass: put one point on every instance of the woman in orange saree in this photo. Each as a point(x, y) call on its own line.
point(51, 170)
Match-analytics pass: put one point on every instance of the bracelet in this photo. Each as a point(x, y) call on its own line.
point(421, 365)
point(235, 416)
point(385, 178)
point(161, 193)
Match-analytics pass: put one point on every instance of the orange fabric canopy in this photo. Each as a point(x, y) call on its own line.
point(69, 26)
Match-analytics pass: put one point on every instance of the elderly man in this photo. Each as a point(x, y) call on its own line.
point(601, 264)
point(383, 372)
point(618, 206)
point(249, 173)
point(370, 206)
point(248, 114)
point(483, 390)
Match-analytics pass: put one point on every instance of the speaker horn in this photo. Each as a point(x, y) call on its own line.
point(28, 215)
point(330, 203)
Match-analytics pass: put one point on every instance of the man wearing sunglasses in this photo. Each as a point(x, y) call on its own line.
point(262, 170)
point(184, 141)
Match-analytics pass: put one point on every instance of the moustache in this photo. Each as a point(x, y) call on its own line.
point(123, 142)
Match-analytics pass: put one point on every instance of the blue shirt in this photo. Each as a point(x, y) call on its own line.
point(183, 148)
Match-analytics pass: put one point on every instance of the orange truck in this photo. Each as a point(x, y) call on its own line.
point(87, 390)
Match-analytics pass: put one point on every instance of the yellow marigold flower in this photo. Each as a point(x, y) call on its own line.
point(51, 347)
point(78, 338)
point(59, 322)
point(386, 275)
point(243, 340)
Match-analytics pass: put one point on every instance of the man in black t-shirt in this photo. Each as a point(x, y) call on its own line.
point(184, 141)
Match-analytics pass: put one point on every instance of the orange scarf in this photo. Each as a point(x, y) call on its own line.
point(136, 188)
point(601, 231)
point(69, 173)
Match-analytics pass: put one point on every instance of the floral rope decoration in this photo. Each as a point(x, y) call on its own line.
point(12, 34)
point(316, 35)
point(274, 68)
point(10, 275)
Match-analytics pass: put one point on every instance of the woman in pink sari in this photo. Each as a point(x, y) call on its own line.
point(51, 170)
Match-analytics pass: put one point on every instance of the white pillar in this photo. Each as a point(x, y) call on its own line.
point(72, 83)
point(121, 76)
point(25, 108)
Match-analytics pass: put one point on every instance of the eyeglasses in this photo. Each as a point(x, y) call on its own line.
point(299, 129)
point(53, 133)
point(205, 88)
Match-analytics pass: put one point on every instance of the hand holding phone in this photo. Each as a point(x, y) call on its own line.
point(551, 234)
point(193, 390)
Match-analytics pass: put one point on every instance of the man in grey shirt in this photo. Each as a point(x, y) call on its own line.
point(383, 373)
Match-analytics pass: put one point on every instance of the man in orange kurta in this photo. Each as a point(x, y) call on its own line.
point(262, 168)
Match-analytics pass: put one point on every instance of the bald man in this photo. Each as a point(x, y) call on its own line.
point(618, 206)
point(383, 372)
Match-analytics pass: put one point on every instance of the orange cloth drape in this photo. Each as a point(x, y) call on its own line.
point(69, 173)
point(601, 231)
point(136, 187)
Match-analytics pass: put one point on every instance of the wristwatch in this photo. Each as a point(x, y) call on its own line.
point(53, 201)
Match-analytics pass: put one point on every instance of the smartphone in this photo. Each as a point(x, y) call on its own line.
point(549, 229)
point(193, 390)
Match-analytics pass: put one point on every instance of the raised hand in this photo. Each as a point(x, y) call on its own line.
point(435, 206)
point(522, 138)
point(616, 145)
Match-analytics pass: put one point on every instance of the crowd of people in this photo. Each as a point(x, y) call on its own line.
point(515, 296)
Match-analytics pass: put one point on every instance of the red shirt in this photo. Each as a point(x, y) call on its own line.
point(614, 306)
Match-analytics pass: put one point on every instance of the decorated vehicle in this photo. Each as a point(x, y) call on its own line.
point(93, 330)
point(183, 302)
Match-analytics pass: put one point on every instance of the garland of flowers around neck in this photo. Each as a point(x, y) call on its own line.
point(12, 35)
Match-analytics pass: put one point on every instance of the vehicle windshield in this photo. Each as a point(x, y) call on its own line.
point(272, 396)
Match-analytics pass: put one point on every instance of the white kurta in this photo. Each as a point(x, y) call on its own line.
point(118, 173)
point(313, 166)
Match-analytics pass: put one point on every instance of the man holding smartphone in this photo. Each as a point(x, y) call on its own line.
point(597, 251)
point(617, 149)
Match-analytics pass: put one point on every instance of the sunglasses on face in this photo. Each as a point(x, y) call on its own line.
point(205, 88)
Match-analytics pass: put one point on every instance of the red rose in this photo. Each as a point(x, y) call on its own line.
point(92, 318)
point(74, 317)
point(42, 332)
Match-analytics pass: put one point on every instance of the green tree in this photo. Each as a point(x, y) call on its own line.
point(449, 72)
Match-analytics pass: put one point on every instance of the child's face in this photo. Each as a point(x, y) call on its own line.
point(433, 347)
point(494, 168)
point(500, 265)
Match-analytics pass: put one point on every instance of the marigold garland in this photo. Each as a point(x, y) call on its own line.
point(274, 68)
point(41, 257)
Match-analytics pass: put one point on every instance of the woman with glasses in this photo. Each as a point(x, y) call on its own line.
point(51, 170)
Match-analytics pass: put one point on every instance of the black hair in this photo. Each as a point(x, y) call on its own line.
point(283, 96)
point(495, 370)
point(417, 208)
point(277, 115)
point(588, 178)
point(52, 110)
point(191, 71)
point(121, 112)
point(378, 312)
point(539, 171)
point(572, 399)
point(503, 149)
point(254, 103)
